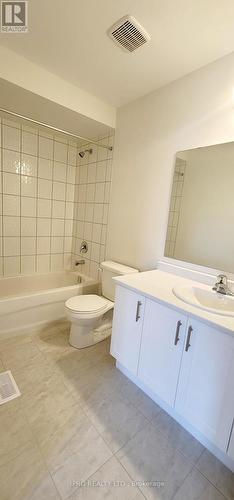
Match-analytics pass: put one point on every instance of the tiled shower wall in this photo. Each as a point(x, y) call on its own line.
point(92, 197)
point(175, 206)
point(37, 182)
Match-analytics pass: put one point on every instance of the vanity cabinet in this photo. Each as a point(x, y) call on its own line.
point(205, 388)
point(161, 349)
point(186, 363)
point(127, 328)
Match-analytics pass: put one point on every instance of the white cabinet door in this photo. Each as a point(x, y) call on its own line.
point(127, 328)
point(161, 349)
point(205, 394)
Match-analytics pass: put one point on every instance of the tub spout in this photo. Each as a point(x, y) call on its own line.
point(79, 262)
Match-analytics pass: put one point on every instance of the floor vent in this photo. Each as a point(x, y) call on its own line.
point(8, 387)
point(128, 34)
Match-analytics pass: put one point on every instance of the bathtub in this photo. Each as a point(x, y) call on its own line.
point(27, 302)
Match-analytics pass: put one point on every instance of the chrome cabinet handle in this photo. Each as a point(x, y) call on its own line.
point(177, 333)
point(139, 303)
point(190, 330)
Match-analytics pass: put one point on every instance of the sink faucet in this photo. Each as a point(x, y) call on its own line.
point(221, 285)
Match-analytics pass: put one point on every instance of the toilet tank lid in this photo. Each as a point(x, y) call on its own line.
point(117, 268)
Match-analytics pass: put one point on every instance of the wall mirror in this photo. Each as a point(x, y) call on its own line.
point(201, 215)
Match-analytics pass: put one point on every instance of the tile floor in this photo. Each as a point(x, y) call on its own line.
point(82, 430)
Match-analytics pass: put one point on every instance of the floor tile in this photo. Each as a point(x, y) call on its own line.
point(116, 419)
point(178, 436)
point(111, 482)
point(14, 430)
point(89, 453)
point(196, 487)
point(137, 397)
point(56, 341)
point(25, 478)
point(20, 355)
point(219, 475)
point(149, 457)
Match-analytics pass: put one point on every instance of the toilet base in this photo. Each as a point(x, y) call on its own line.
point(86, 335)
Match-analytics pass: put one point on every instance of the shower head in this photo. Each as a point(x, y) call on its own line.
point(82, 153)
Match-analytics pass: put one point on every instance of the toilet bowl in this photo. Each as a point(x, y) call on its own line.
point(91, 315)
point(86, 313)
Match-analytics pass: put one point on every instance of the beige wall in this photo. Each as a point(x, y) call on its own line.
point(195, 111)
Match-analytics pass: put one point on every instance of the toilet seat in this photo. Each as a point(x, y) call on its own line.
point(86, 304)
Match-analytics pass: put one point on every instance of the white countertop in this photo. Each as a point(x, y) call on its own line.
point(158, 285)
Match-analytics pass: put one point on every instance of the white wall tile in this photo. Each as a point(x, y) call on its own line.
point(59, 191)
point(57, 227)
point(28, 264)
point(28, 207)
point(60, 171)
point(87, 231)
point(29, 143)
point(43, 245)
point(51, 200)
point(98, 213)
point(43, 208)
point(43, 227)
point(71, 174)
point(43, 263)
point(58, 209)
point(11, 246)
point(101, 172)
point(28, 186)
point(89, 211)
point(28, 245)
point(90, 193)
point(56, 262)
point(45, 168)
point(11, 266)
point(11, 161)
point(11, 226)
point(60, 152)
point(100, 192)
point(44, 188)
point(28, 226)
point(11, 138)
point(96, 234)
point(68, 227)
point(72, 155)
point(11, 183)
point(91, 173)
point(11, 205)
point(69, 208)
point(28, 165)
point(45, 148)
point(70, 192)
point(95, 253)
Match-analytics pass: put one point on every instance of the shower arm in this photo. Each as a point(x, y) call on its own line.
point(55, 129)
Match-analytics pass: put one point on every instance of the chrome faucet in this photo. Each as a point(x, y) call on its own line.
point(221, 285)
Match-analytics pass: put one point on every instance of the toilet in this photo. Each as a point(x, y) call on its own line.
point(91, 315)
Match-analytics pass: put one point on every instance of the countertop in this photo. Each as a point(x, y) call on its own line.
point(158, 285)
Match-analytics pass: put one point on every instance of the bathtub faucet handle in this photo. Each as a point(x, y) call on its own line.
point(79, 262)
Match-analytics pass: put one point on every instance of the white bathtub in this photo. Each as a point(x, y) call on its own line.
point(30, 301)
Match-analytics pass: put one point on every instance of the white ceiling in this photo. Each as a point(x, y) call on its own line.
point(69, 39)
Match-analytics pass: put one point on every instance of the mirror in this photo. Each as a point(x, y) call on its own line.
point(201, 215)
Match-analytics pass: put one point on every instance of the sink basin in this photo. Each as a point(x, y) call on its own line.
point(205, 298)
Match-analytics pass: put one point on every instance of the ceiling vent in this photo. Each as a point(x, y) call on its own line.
point(128, 34)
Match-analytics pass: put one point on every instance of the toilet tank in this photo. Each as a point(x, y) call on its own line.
point(111, 269)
